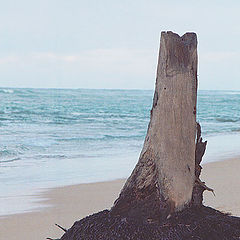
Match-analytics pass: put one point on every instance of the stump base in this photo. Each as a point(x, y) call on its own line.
point(200, 223)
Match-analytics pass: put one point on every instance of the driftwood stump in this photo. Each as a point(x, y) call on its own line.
point(162, 199)
point(162, 181)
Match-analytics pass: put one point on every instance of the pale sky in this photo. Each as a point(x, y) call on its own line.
point(113, 44)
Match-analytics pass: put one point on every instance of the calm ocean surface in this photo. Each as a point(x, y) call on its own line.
point(54, 137)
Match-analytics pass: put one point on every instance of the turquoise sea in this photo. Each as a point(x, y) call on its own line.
point(55, 137)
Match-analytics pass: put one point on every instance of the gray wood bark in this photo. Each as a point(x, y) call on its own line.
point(163, 179)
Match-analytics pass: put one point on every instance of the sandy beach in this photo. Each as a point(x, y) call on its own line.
point(71, 203)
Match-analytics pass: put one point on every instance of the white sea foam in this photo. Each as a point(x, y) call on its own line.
point(7, 90)
point(77, 113)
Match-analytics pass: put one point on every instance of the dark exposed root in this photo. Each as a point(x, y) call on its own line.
point(199, 186)
point(201, 223)
point(64, 229)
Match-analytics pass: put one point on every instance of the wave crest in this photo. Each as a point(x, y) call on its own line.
point(7, 90)
point(226, 120)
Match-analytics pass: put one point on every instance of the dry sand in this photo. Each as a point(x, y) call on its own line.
point(68, 204)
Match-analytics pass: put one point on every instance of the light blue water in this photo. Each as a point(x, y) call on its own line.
point(53, 137)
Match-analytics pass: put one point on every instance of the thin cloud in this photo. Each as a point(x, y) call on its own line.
point(9, 59)
point(132, 61)
point(97, 68)
point(219, 56)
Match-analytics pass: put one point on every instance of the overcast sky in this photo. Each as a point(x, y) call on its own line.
point(113, 44)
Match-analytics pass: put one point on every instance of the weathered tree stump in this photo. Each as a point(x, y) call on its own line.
point(162, 199)
point(162, 181)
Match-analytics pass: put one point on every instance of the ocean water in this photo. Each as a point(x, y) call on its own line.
point(55, 137)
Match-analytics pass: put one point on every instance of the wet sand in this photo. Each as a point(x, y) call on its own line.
point(71, 203)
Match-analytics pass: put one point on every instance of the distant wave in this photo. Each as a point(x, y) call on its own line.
point(231, 92)
point(226, 120)
point(3, 119)
point(12, 152)
point(10, 160)
point(122, 137)
point(78, 113)
point(236, 130)
point(50, 156)
point(99, 138)
point(7, 90)
point(106, 115)
point(5, 152)
point(62, 156)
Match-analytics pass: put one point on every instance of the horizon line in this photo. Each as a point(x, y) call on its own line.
point(133, 89)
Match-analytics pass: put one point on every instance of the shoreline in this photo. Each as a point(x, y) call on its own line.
point(25, 196)
point(65, 205)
